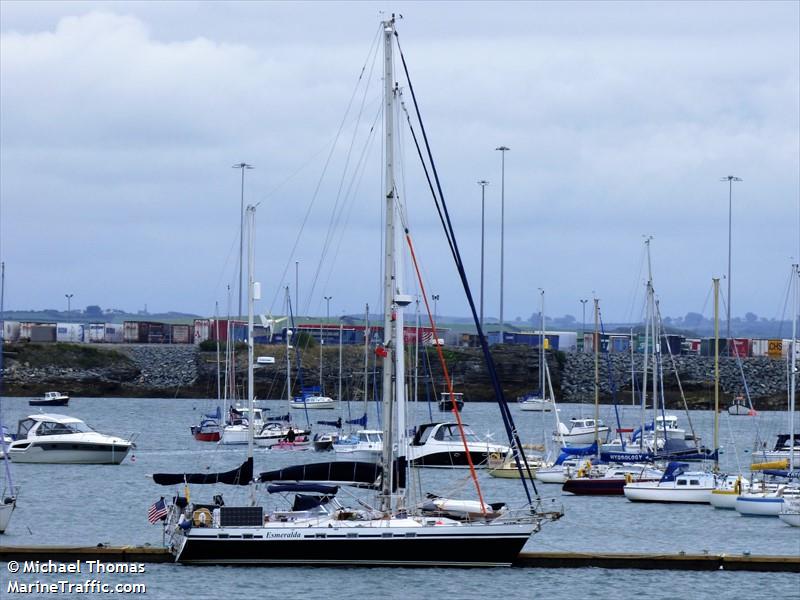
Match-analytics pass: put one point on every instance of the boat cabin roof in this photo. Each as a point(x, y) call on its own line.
point(54, 418)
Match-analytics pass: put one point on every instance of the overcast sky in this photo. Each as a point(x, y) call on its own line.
point(119, 123)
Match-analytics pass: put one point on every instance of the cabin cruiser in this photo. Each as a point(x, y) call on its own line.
point(61, 439)
point(580, 432)
point(446, 403)
point(313, 401)
point(51, 399)
point(365, 445)
point(440, 445)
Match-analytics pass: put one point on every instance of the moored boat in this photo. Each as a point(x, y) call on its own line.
point(61, 439)
point(50, 399)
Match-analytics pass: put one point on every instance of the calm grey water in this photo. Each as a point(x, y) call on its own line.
point(74, 504)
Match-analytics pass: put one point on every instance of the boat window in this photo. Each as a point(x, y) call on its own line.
point(362, 437)
point(24, 427)
point(681, 482)
point(694, 482)
point(374, 437)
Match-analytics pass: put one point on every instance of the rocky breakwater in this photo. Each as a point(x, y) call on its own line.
point(99, 370)
point(766, 379)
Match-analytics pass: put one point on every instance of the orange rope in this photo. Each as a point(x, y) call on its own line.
point(447, 379)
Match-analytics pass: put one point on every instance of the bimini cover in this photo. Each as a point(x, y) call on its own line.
point(242, 475)
point(303, 502)
point(359, 474)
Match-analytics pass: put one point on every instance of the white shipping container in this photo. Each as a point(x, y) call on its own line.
point(567, 341)
point(785, 350)
point(11, 331)
point(114, 333)
point(760, 347)
point(69, 332)
point(201, 330)
point(97, 333)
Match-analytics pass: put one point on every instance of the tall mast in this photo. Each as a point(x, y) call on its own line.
point(339, 397)
point(253, 293)
point(366, 358)
point(388, 268)
point(288, 350)
point(794, 356)
point(542, 357)
point(716, 373)
point(597, 373)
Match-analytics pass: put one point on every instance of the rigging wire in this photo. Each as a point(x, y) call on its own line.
point(508, 421)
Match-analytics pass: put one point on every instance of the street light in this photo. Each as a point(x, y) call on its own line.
point(730, 179)
point(242, 166)
point(483, 183)
point(328, 307)
point(435, 298)
point(69, 302)
point(583, 327)
point(503, 150)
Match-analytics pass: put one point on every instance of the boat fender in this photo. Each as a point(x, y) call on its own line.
point(737, 487)
point(628, 478)
point(494, 456)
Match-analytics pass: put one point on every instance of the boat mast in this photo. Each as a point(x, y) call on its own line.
point(542, 357)
point(366, 360)
point(597, 373)
point(339, 398)
point(253, 293)
point(794, 356)
point(288, 353)
point(388, 269)
point(716, 374)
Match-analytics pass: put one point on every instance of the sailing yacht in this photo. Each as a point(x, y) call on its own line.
point(538, 401)
point(318, 528)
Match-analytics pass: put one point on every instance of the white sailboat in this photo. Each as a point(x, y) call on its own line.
point(318, 529)
point(539, 402)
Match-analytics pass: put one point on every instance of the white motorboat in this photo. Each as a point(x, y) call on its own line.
point(561, 472)
point(51, 399)
point(440, 445)
point(61, 439)
point(274, 432)
point(580, 432)
point(313, 402)
point(365, 445)
point(676, 485)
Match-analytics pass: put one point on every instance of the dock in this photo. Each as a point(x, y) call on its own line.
point(533, 560)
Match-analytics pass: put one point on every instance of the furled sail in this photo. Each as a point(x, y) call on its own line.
point(354, 473)
point(241, 475)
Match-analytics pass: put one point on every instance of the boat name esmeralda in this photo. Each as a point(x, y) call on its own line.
point(80, 566)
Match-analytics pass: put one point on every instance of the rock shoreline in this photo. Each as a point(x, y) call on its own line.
point(171, 371)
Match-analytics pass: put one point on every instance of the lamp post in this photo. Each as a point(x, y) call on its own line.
point(730, 179)
point(503, 150)
point(328, 307)
point(243, 166)
point(583, 327)
point(297, 287)
point(435, 298)
point(69, 302)
point(483, 183)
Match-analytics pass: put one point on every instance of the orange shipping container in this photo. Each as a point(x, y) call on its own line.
point(775, 348)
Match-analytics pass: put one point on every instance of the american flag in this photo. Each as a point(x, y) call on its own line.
point(157, 511)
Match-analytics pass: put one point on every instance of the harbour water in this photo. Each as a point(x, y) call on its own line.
point(91, 504)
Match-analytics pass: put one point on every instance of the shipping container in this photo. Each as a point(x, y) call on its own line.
point(739, 347)
point(114, 333)
point(182, 334)
point(69, 332)
point(145, 332)
point(693, 346)
point(759, 347)
point(567, 341)
point(202, 330)
point(11, 331)
point(97, 333)
point(671, 344)
point(707, 346)
point(620, 344)
point(775, 348)
point(44, 332)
